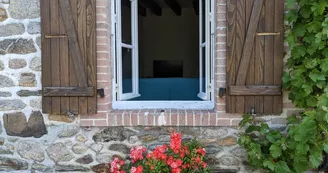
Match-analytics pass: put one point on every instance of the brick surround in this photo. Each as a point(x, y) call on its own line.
point(217, 117)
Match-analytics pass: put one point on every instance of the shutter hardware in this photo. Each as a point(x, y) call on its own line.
point(54, 36)
point(101, 92)
point(267, 33)
point(222, 92)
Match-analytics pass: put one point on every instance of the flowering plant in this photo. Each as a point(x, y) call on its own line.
point(177, 157)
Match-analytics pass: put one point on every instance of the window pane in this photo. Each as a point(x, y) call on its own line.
point(126, 22)
point(127, 70)
point(203, 21)
point(203, 70)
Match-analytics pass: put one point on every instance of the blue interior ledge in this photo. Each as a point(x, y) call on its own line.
point(165, 88)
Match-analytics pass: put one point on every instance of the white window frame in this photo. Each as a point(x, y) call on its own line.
point(120, 102)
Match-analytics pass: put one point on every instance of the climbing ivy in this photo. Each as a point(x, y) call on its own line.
point(305, 142)
point(307, 36)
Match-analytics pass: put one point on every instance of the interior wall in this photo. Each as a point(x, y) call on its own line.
point(169, 37)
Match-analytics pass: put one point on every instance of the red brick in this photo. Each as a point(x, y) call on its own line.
point(86, 123)
point(134, 118)
point(174, 119)
point(127, 121)
point(95, 116)
point(111, 119)
point(221, 9)
point(119, 119)
point(198, 119)
point(150, 119)
point(221, 39)
point(212, 119)
point(235, 122)
point(223, 122)
point(205, 119)
point(100, 123)
point(167, 118)
point(103, 56)
point(182, 117)
point(104, 84)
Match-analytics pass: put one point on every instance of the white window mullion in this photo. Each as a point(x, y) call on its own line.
point(131, 47)
point(207, 49)
point(119, 49)
point(135, 56)
point(206, 80)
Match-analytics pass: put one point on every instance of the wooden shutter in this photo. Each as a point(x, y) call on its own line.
point(255, 30)
point(69, 56)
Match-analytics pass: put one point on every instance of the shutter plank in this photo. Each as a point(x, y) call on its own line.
point(255, 90)
point(69, 64)
point(46, 59)
point(81, 37)
point(55, 58)
point(64, 67)
point(68, 91)
point(250, 100)
point(278, 53)
point(259, 62)
point(241, 30)
point(73, 42)
point(74, 101)
point(249, 42)
point(269, 54)
point(231, 52)
point(91, 54)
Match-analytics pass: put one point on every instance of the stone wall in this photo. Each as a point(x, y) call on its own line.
point(29, 141)
point(20, 62)
point(67, 147)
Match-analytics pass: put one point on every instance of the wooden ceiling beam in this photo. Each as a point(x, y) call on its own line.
point(142, 10)
point(173, 4)
point(152, 6)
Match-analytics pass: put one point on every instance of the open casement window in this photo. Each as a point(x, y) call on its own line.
point(206, 45)
point(127, 50)
point(69, 56)
point(176, 68)
point(255, 49)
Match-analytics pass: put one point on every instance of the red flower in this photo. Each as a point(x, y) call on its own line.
point(175, 143)
point(138, 169)
point(136, 153)
point(201, 151)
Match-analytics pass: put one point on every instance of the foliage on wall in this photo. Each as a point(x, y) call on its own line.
point(304, 144)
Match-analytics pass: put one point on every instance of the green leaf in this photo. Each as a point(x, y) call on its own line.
point(252, 128)
point(324, 65)
point(300, 167)
point(291, 3)
point(282, 167)
point(315, 75)
point(325, 147)
point(269, 164)
point(316, 158)
point(275, 150)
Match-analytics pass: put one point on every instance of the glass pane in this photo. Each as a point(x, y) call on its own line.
point(203, 70)
point(203, 21)
point(127, 70)
point(126, 22)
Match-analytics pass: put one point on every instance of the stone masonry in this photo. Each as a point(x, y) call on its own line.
point(32, 142)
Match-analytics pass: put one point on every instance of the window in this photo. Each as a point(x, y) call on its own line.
point(162, 58)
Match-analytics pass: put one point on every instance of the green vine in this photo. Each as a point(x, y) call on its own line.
point(307, 36)
point(304, 144)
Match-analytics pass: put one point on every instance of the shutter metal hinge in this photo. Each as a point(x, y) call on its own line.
point(222, 92)
point(252, 111)
point(55, 36)
point(101, 92)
